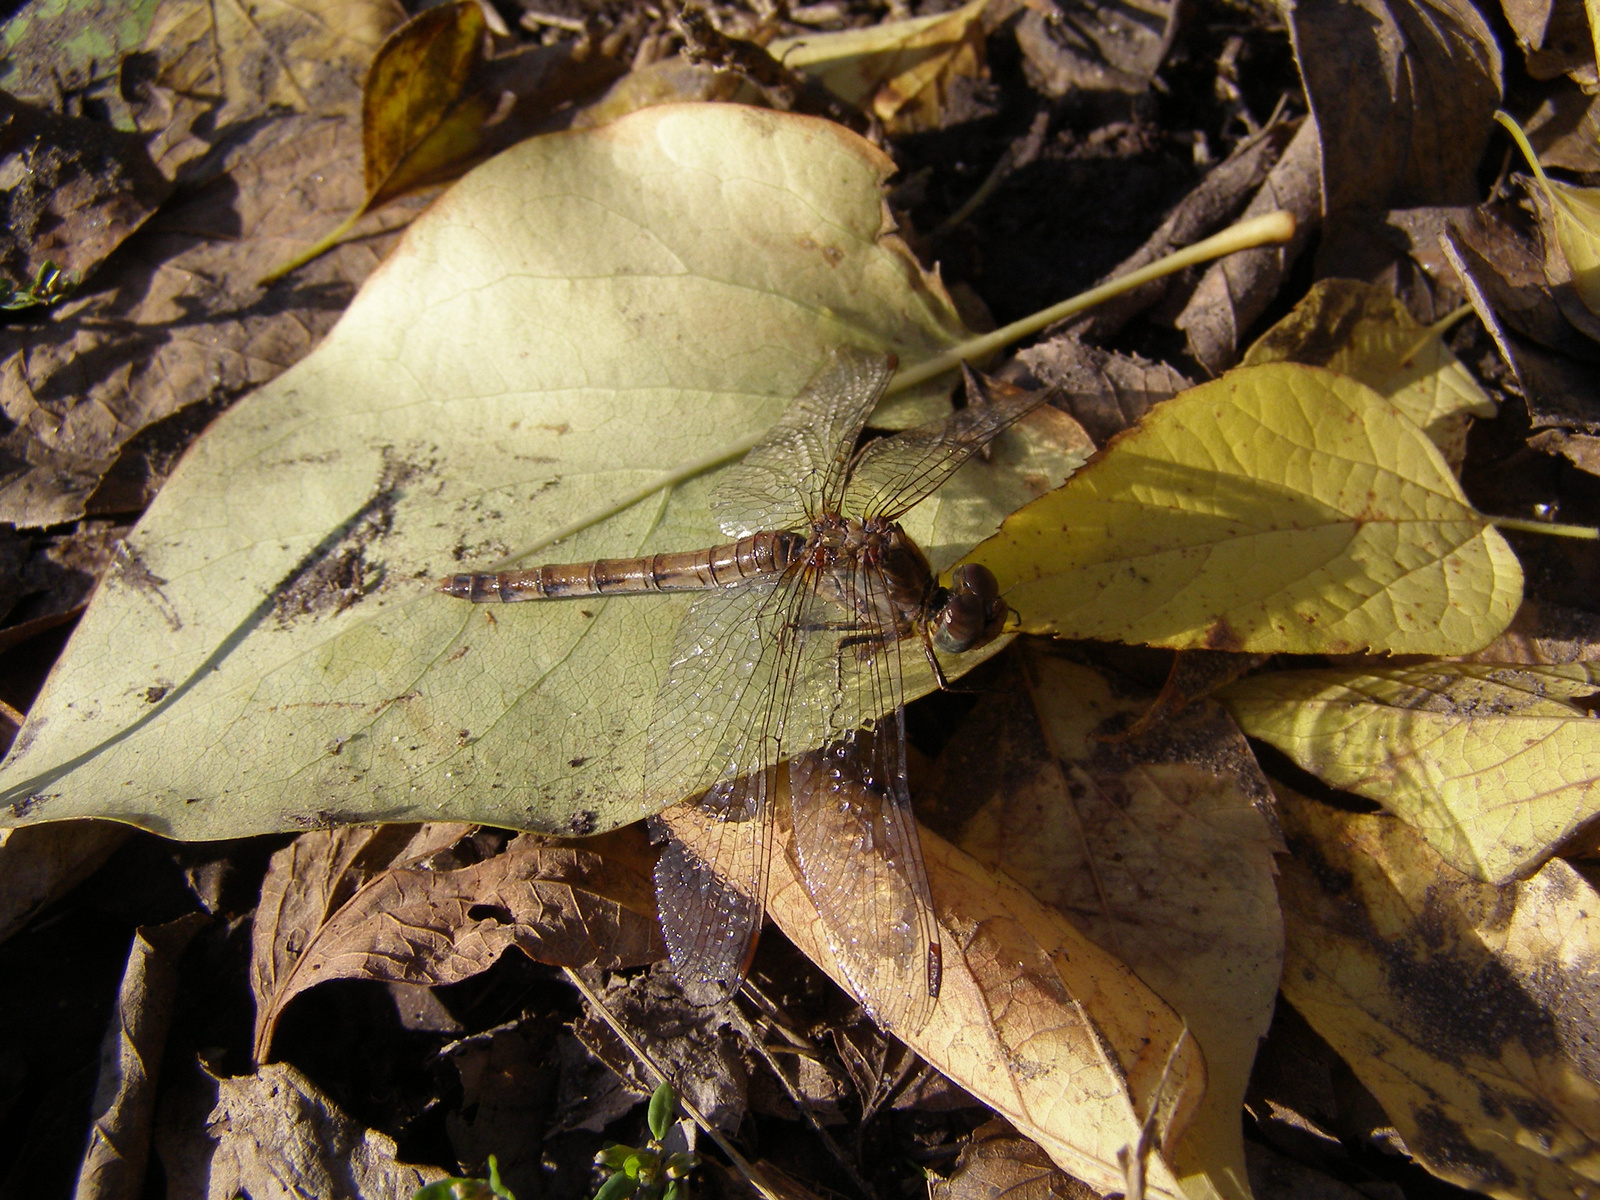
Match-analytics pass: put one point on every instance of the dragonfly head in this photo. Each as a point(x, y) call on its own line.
point(969, 612)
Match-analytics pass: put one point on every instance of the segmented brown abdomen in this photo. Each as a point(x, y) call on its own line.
point(688, 571)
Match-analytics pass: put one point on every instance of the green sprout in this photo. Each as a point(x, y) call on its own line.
point(51, 284)
point(468, 1189)
point(649, 1173)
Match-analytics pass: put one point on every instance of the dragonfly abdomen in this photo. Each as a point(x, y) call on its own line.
point(756, 556)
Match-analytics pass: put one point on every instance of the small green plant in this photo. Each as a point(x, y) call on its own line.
point(649, 1173)
point(50, 285)
point(468, 1189)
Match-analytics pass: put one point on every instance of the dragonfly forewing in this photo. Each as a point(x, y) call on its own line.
point(786, 478)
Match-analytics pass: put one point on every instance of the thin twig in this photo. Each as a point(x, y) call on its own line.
point(744, 1166)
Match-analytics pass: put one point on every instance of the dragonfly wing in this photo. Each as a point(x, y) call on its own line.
point(798, 468)
point(855, 835)
point(861, 861)
point(717, 730)
point(892, 474)
point(711, 884)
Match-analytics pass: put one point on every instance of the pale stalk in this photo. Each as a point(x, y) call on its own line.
point(1267, 230)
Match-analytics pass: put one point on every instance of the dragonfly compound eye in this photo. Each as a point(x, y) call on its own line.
point(973, 612)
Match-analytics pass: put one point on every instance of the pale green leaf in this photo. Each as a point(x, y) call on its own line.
point(572, 324)
point(1281, 508)
point(1495, 765)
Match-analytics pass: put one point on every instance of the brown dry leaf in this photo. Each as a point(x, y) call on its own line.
point(42, 863)
point(70, 190)
point(268, 156)
point(416, 921)
point(1035, 1020)
point(1159, 847)
point(1402, 91)
point(1235, 291)
point(1466, 1009)
point(130, 1063)
point(996, 1164)
point(47, 581)
point(1557, 367)
point(902, 72)
point(1361, 330)
point(686, 1040)
point(1579, 449)
point(1095, 45)
point(667, 81)
point(1212, 202)
point(1102, 391)
point(280, 1138)
point(1545, 633)
point(1552, 34)
point(1565, 130)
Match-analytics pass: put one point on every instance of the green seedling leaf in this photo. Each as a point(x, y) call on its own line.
point(618, 1187)
point(1576, 216)
point(562, 346)
point(1363, 331)
point(1280, 508)
point(1494, 765)
point(663, 1107)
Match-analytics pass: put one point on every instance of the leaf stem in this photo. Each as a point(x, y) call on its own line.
point(1582, 532)
point(1269, 229)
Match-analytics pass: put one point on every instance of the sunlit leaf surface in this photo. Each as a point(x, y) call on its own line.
point(1466, 1009)
point(575, 321)
point(1279, 508)
point(1494, 764)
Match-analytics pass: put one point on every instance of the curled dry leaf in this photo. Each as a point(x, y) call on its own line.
point(586, 320)
point(1553, 36)
point(995, 1162)
point(901, 72)
point(1570, 221)
point(1216, 524)
point(1034, 1019)
point(1494, 764)
point(1504, 275)
point(1235, 291)
point(1466, 1009)
point(1216, 199)
point(571, 904)
point(1361, 330)
point(1095, 45)
point(1160, 847)
point(278, 1136)
point(130, 1062)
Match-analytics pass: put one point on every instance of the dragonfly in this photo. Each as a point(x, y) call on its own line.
point(788, 675)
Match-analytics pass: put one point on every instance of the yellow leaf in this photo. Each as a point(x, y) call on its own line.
point(1034, 1019)
point(1363, 331)
point(1161, 850)
point(1575, 214)
point(1466, 1009)
point(1495, 765)
point(1280, 508)
point(565, 344)
point(899, 71)
point(417, 117)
